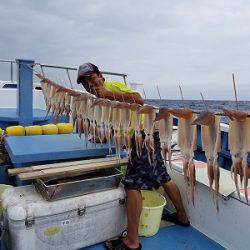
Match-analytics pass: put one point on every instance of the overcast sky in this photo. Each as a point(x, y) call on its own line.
point(164, 42)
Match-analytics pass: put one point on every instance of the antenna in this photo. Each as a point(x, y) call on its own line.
point(235, 92)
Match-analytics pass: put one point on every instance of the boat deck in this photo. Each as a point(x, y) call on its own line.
point(175, 237)
point(11, 115)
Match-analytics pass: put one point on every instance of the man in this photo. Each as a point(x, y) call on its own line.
point(92, 80)
point(140, 175)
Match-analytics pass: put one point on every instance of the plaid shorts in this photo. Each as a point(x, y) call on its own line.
point(140, 174)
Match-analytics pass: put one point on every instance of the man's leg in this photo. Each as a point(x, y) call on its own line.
point(133, 208)
point(173, 193)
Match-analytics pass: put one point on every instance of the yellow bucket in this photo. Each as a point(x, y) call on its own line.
point(50, 129)
point(152, 208)
point(33, 130)
point(65, 128)
point(15, 131)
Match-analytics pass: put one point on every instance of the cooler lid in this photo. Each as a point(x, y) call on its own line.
point(23, 202)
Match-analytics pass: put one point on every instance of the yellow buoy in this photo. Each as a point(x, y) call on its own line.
point(33, 130)
point(50, 129)
point(65, 128)
point(1, 131)
point(15, 131)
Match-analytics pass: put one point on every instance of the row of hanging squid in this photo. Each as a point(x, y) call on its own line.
point(110, 121)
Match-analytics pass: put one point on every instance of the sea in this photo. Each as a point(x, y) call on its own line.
point(198, 105)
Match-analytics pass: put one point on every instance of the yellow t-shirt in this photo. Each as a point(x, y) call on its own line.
point(118, 87)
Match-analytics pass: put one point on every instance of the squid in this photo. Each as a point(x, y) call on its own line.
point(67, 106)
point(83, 111)
point(56, 96)
point(97, 117)
point(56, 101)
point(46, 92)
point(211, 144)
point(135, 123)
point(165, 120)
point(148, 126)
point(90, 116)
point(116, 122)
point(51, 102)
point(73, 110)
point(239, 146)
point(105, 120)
point(187, 135)
point(46, 88)
point(79, 117)
point(125, 118)
point(103, 112)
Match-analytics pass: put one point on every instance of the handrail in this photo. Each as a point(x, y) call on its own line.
point(74, 68)
point(11, 67)
point(67, 68)
point(3, 60)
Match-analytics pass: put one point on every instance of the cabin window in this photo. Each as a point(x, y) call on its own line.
point(9, 86)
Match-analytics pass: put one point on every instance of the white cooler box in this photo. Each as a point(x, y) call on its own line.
point(72, 223)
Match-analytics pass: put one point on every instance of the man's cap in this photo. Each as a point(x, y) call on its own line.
point(86, 69)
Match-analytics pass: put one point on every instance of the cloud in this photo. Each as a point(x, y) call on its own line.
point(197, 43)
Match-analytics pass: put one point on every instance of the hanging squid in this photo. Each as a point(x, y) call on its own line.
point(105, 120)
point(83, 114)
point(116, 122)
point(92, 124)
point(73, 110)
point(97, 117)
point(165, 120)
point(239, 146)
point(67, 106)
point(79, 117)
point(57, 98)
point(187, 142)
point(135, 123)
point(211, 144)
point(148, 126)
point(125, 122)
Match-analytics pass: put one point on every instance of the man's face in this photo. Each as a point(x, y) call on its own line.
point(93, 81)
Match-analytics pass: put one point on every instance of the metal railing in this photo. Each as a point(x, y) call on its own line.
point(66, 68)
point(11, 66)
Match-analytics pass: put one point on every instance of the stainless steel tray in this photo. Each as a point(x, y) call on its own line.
point(55, 189)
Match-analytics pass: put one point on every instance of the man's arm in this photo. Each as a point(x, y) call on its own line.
point(126, 97)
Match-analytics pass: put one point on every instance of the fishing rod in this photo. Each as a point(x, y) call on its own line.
point(235, 92)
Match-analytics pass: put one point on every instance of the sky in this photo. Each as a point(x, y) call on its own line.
point(197, 44)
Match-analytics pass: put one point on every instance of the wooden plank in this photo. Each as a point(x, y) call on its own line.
point(70, 170)
point(16, 171)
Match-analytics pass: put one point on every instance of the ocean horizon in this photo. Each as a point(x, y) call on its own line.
point(213, 105)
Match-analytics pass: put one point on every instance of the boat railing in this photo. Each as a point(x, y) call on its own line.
point(11, 63)
point(66, 68)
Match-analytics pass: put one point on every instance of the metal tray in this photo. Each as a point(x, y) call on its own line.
point(55, 189)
